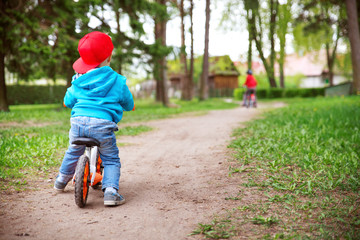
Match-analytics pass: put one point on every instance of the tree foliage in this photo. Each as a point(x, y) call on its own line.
point(325, 23)
point(39, 38)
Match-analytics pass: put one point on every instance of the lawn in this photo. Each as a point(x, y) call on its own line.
point(33, 138)
point(300, 165)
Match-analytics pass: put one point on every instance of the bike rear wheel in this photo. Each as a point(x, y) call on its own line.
point(249, 102)
point(82, 181)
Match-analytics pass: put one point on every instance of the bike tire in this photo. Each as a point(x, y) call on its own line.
point(82, 181)
point(248, 103)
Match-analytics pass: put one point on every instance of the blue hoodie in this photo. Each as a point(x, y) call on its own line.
point(101, 93)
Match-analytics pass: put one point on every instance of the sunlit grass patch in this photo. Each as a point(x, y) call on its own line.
point(314, 143)
point(133, 130)
point(301, 164)
point(29, 148)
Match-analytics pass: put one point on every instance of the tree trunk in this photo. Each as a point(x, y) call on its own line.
point(282, 62)
point(354, 37)
point(117, 16)
point(331, 57)
point(269, 71)
point(257, 37)
point(191, 74)
point(282, 76)
point(204, 85)
point(249, 57)
point(4, 107)
point(160, 63)
point(274, 10)
point(69, 74)
point(185, 95)
point(284, 17)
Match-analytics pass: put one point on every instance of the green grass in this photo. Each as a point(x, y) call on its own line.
point(302, 165)
point(147, 110)
point(133, 130)
point(33, 138)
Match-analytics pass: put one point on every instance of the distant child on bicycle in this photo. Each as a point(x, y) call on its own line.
point(250, 84)
point(98, 96)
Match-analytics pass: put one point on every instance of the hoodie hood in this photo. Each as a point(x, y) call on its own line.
point(101, 93)
point(93, 82)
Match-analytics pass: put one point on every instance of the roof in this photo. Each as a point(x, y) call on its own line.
point(311, 64)
point(222, 65)
point(218, 65)
point(256, 66)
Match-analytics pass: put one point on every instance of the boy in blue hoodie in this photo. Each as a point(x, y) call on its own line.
point(98, 96)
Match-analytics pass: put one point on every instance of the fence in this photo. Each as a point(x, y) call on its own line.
point(343, 89)
point(221, 92)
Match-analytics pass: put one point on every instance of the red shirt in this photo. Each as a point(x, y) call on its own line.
point(250, 81)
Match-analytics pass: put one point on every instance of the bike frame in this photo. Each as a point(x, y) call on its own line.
point(93, 154)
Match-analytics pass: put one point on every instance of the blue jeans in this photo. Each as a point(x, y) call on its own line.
point(102, 130)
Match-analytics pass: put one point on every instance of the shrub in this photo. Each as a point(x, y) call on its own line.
point(275, 93)
point(20, 94)
point(291, 92)
point(280, 92)
point(312, 92)
point(261, 93)
point(238, 93)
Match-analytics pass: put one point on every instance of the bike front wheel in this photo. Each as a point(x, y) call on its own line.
point(82, 181)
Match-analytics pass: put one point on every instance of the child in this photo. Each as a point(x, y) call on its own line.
point(250, 84)
point(98, 96)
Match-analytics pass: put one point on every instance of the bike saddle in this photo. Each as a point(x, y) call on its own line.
point(89, 142)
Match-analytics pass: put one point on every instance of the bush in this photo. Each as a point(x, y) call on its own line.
point(20, 94)
point(312, 92)
point(275, 93)
point(263, 93)
point(291, 93)
point(238, 93)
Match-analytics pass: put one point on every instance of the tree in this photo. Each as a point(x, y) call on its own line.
point(191, 73)
point(232, 16)
point(160, 56)
point(322, 24)
point(261, 19)
point(66, 24)
point(247, 4)
point(20, 32)
point(256, 29)
point(129, 43)
point(354, 37)
point(186, 88)
point(204, 88)
point(283, 23)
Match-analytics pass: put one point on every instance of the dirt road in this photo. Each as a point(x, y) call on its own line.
point(173, 178)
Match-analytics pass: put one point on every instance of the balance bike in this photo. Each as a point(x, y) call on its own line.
point(88, 170)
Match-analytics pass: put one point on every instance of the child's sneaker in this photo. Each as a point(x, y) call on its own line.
point(61, 182)
point(113, 199)
point(59, 186)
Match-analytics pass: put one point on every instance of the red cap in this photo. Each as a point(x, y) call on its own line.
point(94, 48)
